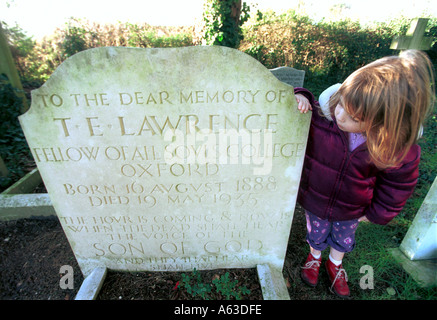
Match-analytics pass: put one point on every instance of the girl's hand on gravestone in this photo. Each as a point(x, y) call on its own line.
point(303, 104)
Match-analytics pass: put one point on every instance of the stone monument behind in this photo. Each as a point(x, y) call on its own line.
point(291, 76)
point(169, 159)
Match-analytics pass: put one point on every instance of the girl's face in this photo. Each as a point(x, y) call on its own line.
point(346, 122)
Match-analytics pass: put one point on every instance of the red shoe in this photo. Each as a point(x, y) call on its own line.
point(310, 271)
point(338, 279)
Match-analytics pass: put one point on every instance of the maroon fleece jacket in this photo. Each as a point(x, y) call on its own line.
point(339, 185)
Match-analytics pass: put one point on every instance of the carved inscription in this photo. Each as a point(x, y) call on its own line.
point(150, 177)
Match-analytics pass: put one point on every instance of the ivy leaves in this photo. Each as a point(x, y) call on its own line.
point(224, 285)
point(223, 20)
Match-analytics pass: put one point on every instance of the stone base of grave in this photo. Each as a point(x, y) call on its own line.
point(272, 284)
point(422, 271)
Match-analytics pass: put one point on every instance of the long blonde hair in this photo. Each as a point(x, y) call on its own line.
point(392, 96)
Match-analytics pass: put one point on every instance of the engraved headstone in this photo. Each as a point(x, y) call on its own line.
point(291, 76)
point(169, 159)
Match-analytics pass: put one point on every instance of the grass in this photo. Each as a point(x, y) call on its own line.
point(390, 280)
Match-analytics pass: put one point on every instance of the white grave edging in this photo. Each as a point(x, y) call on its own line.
point(420, 242)
point(17, 201)
point(271, 280)
point(418, 251)
point(272, 283)
point(20, 206)
point(92, 284)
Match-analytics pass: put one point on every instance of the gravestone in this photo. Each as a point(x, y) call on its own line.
point(169, 159)
point(289, 75)
point(418, 250)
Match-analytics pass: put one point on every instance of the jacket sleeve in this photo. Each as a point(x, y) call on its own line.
point(324, 99)
point(393, 188)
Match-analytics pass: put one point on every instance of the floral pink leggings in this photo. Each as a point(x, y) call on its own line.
point(340, 235)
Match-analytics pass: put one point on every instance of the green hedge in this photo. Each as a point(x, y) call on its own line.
point(327, 51)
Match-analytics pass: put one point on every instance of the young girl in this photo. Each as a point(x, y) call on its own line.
point(361, 162)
